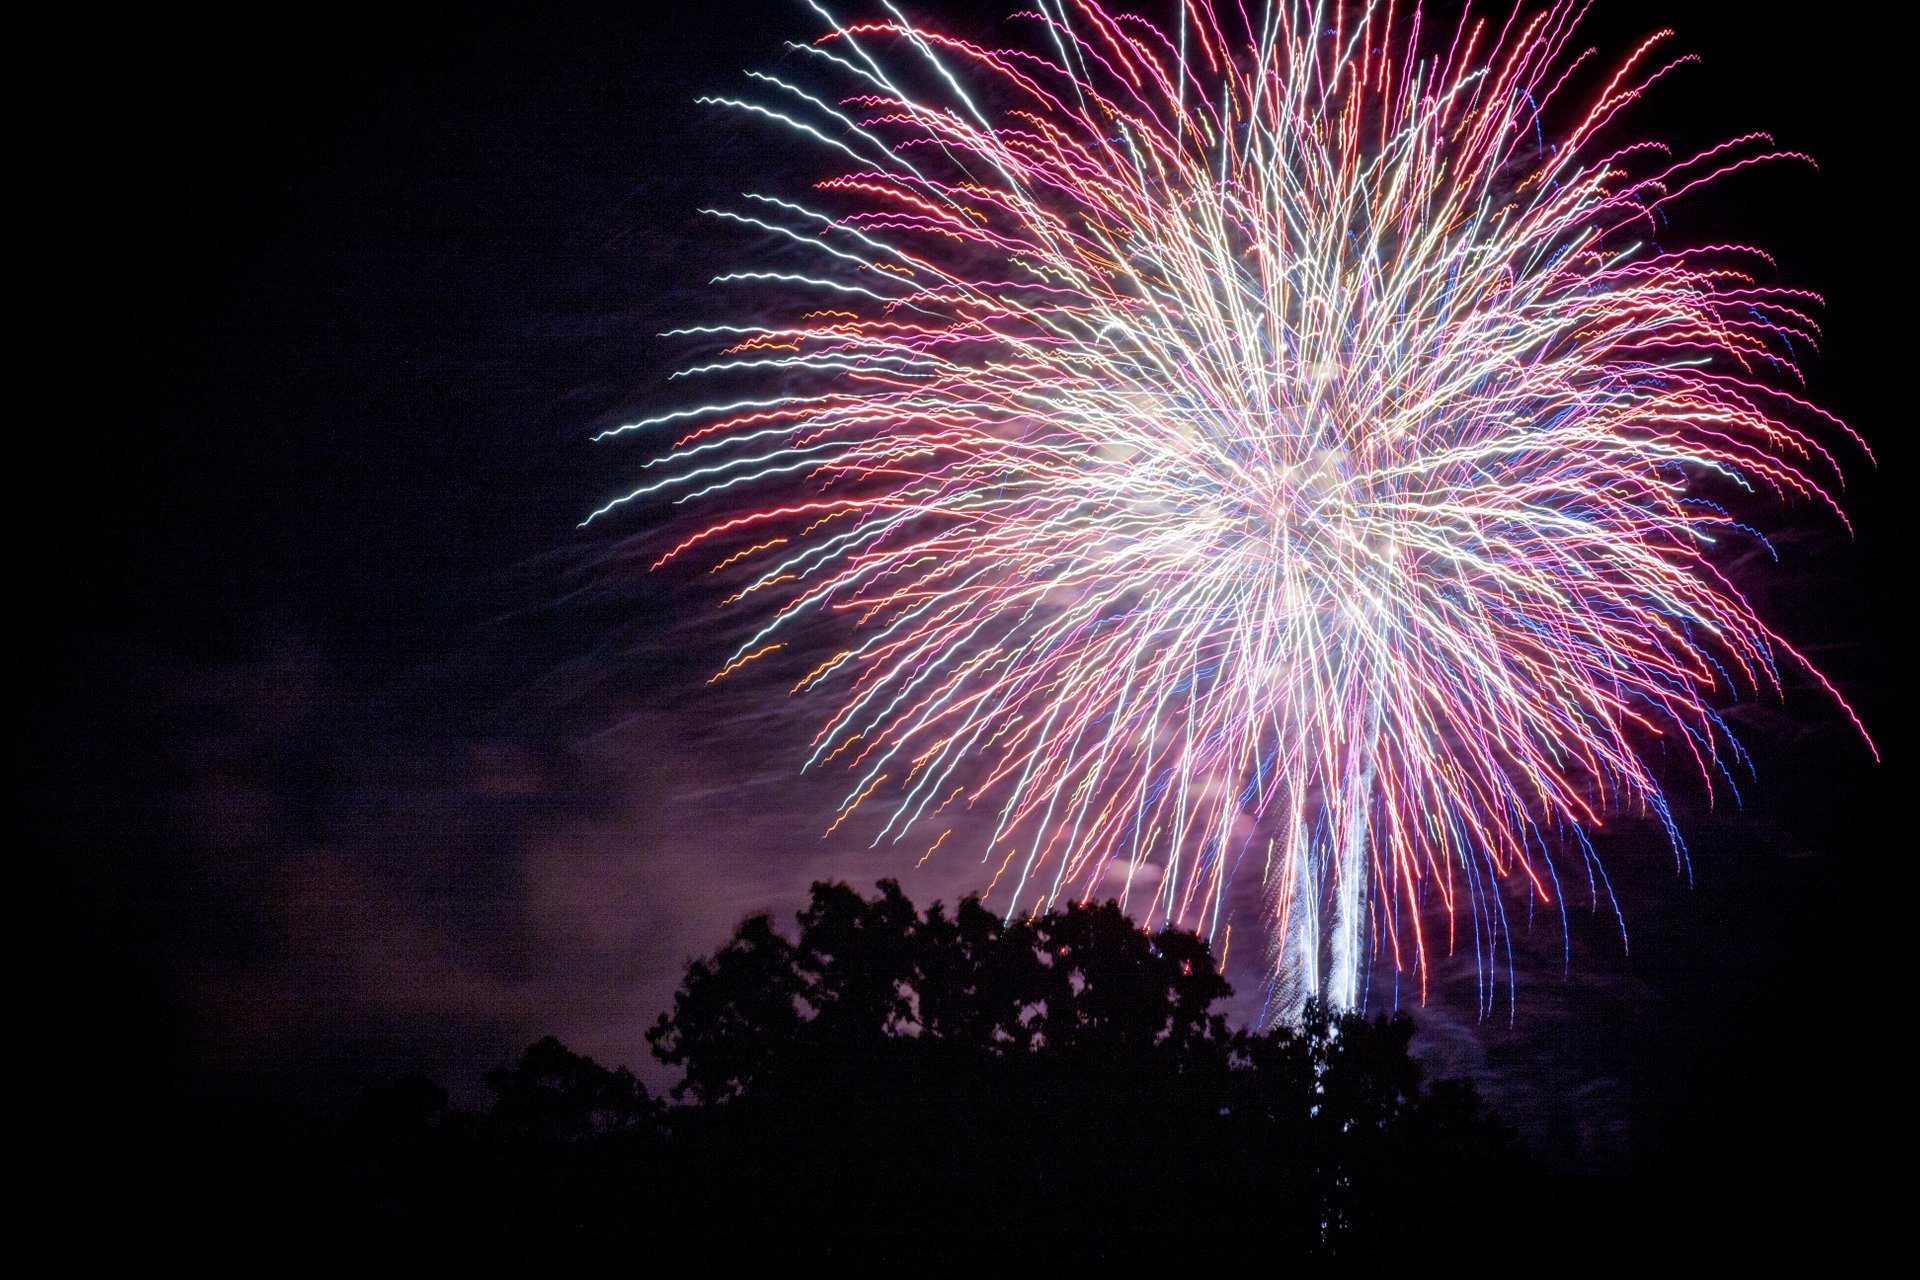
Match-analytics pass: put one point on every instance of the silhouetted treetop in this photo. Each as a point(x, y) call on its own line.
point(1080, 981)
point(554, 1094)
point(887, 1078)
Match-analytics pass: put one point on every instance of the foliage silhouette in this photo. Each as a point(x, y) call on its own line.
point(943, 1090)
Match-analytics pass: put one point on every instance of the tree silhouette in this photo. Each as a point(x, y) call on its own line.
point(1082, 982)
point(555, 1095)
point(732, 1014)
point(1070, 1065)
point(946, 1089)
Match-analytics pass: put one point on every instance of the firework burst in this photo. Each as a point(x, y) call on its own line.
point(1250, 445)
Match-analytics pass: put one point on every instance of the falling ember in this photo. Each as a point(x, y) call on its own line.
point(1263, 440)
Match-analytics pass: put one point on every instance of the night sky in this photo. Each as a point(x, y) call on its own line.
point(349, 755)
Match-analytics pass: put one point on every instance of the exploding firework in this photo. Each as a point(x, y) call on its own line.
point(1248, 445)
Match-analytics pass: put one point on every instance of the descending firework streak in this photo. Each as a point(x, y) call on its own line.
point(1267, 443)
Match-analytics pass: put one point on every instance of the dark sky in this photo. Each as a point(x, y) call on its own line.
point(346, 755)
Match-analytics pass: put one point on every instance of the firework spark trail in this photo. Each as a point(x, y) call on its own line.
point(1263, 439)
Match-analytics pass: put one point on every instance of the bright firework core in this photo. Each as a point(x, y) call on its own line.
point(1260, 445)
